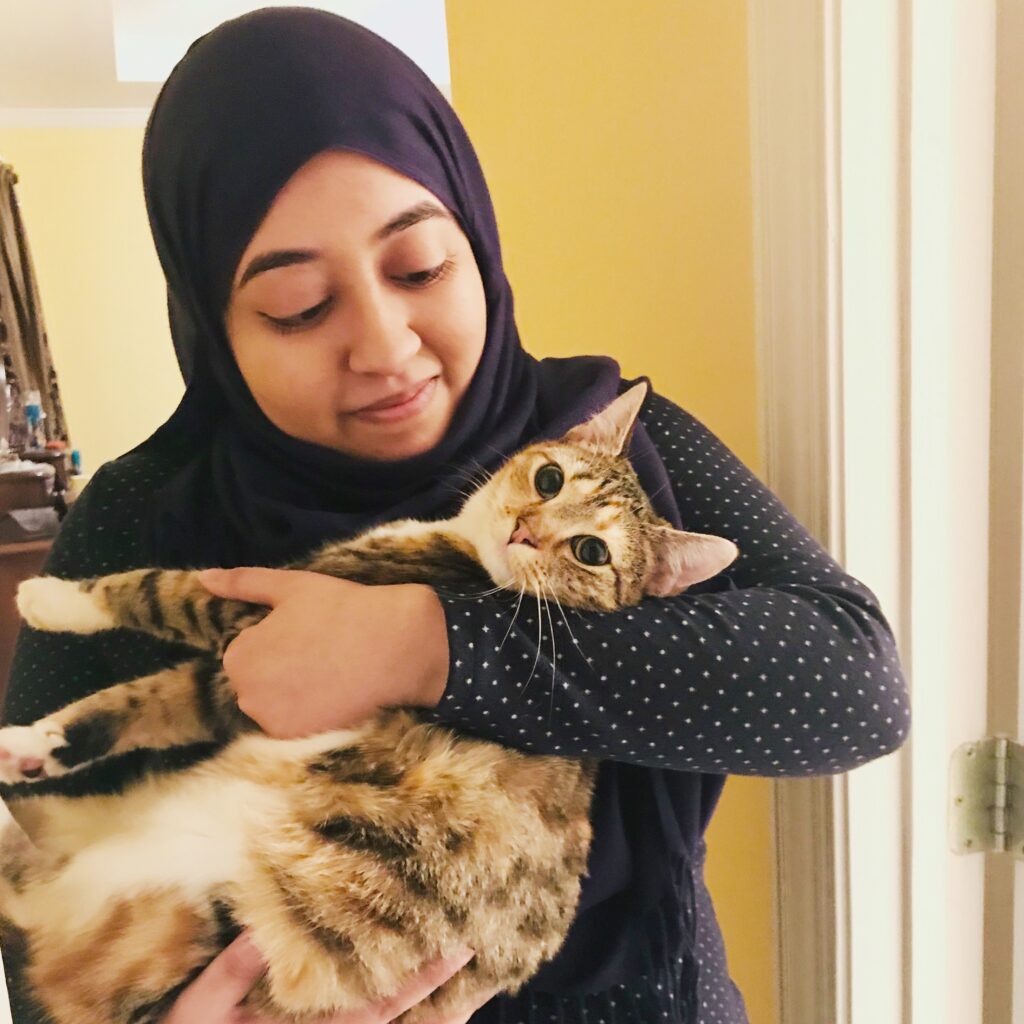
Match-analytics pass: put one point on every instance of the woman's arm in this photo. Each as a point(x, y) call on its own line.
point(792, 670)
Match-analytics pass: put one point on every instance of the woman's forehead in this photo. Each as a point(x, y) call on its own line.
point(366, 192)
point(337, 198)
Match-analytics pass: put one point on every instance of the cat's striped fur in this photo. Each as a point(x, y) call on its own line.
point(355, 856)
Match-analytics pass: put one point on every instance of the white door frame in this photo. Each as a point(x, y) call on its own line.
point(874, 137)
point(795, 232)
point(1004, 880)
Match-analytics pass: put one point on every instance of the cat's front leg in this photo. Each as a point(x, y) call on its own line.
point(168, 603)
point(189, 703)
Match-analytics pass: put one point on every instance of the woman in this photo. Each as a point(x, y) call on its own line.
point(344, 325)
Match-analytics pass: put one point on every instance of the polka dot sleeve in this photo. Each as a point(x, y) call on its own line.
point(782, 665)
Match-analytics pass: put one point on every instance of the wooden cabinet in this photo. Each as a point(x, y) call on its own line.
point(17, 562)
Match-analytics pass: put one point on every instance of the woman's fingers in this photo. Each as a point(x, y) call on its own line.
point(465, 1012)
point(249, 583)
point(414, 991)
point(214, 996)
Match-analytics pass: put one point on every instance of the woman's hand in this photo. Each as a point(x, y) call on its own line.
point(331, 652)
point(214, 996)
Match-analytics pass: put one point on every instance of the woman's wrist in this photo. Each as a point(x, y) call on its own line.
point(427, 641)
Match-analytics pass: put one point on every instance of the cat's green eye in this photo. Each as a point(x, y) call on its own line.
point(590, 550)
point(549, 480)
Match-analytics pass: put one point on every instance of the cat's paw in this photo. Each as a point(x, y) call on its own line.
point(57, 605)
point(26, 752)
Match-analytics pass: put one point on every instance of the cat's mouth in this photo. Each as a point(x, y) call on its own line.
point(515, 553)
point(522, 562)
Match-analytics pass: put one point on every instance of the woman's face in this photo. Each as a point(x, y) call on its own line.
point(357, 314)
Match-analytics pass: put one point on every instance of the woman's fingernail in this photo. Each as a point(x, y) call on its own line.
point(248, 951)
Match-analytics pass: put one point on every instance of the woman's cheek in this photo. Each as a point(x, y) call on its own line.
point(466, 330)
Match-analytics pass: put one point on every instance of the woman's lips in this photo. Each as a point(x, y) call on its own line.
point(399, 407)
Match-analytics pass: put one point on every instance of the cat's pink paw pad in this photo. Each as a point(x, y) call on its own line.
point(32, 767)
point(26, 752)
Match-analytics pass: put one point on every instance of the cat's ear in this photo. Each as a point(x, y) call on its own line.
point(682, 559)
point(609, 430)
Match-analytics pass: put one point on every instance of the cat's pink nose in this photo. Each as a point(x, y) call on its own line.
point(521, 535)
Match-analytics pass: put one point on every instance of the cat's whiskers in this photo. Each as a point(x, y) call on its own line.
point(654, 494)
point(579, 646)
point(506, 587)
point(480, 476)
point(532, 572)
point(470, 482)
point(536, 657)
point(464, 494)
point(554, 655)
point(501, 455)
point(487, 473)
point(515, 613)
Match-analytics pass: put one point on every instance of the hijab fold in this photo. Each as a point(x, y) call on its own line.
point(249, 104)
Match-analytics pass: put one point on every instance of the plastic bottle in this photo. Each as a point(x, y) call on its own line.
point(34, 415)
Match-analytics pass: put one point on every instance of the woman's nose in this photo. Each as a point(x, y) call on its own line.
point(379, 340)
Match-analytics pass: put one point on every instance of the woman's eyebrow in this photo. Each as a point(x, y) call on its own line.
point(289, 257)
point(275, 259)
point(406, 219)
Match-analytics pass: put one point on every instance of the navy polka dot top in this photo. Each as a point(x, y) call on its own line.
point(793, 672)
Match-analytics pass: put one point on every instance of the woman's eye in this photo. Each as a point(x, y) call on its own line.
point(590, 550)
point(419, 278)
point(549, 480)
point(299, 320)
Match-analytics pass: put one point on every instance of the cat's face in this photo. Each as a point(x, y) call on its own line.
point(568, 519)
point(567, 522)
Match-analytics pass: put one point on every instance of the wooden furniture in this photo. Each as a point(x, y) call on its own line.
point(31, 491)
point(18, 562)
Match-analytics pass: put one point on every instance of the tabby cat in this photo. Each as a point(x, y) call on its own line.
point(355, 856)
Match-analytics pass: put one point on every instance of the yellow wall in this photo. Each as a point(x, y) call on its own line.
point(615, 140)
point(80, 192)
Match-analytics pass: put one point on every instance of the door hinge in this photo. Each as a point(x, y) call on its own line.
point(986, 797)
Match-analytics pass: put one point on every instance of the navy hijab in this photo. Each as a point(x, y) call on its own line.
point(249, 104)
point(246, 107)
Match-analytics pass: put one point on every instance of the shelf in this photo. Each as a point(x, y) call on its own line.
point(22, 546)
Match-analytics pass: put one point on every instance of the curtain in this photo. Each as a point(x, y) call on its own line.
point(23, 344)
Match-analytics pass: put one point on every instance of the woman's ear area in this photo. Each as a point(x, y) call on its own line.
point(682, 559)
point(610, 429)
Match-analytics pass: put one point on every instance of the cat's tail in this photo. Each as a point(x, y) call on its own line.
point(169, 603)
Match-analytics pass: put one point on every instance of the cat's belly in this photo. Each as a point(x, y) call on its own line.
point(187, 833)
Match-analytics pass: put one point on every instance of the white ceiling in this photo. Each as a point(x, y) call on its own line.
point(59, 59)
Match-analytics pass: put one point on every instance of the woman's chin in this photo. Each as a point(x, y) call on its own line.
point(382, 445)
